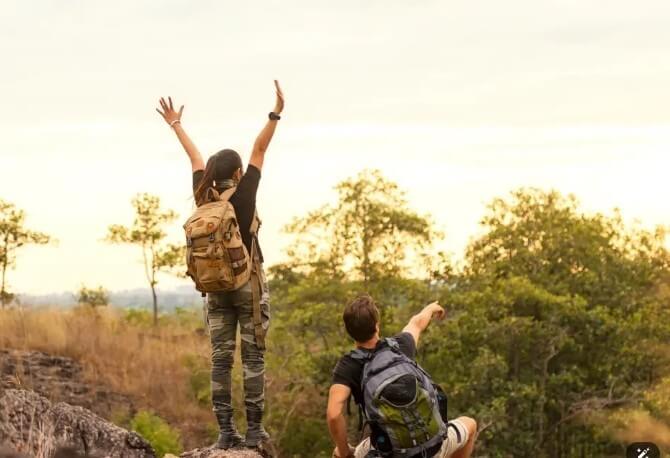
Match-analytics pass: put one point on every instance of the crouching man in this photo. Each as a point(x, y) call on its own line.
point(403, 408)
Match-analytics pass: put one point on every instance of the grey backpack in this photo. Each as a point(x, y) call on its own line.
point(401, 426)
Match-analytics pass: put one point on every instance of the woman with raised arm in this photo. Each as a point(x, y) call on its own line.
point(249, 305)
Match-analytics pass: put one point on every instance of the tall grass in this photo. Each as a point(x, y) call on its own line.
point(125, 353)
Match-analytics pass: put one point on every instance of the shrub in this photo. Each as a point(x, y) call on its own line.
point(92, 297)
point(199, 386)
point(157, 432)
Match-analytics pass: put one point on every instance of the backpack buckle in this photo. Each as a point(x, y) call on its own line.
point(189, 242)
point(211, 237)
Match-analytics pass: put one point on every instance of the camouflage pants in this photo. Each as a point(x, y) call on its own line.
point(224, 311)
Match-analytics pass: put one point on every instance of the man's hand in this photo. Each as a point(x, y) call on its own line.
point(169, 114)
point(279, 104)
point(436, 311)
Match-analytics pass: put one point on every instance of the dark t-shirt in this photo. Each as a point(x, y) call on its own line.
point(349, 371)
point(243, 201)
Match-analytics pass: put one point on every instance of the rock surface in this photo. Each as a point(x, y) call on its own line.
point(210, 453)
point(30, 423)
point(45, 402)
point(59, 379)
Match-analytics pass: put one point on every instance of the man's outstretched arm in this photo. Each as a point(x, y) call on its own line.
point(263, 140)
point(173, 118)
point(419, 322)
point(337, 424)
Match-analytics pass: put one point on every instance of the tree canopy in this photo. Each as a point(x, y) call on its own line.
point(14, 235)
point(148, 232)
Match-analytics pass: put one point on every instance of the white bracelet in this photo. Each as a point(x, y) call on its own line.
point(175, 122)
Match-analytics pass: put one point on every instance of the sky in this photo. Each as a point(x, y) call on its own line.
point(456, 101)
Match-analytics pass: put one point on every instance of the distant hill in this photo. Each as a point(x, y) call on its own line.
point(181, 296)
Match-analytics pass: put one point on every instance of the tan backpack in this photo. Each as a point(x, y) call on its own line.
point(216, 257)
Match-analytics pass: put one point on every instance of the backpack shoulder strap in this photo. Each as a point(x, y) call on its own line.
point(361, 355)
point(226, 195)
point(255, 223)
point(392, 343)
point(211, 194)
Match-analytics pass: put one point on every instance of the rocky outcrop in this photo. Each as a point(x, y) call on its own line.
point(47, 409)
point(30, 423)
point(60, 379)
point(210, 453)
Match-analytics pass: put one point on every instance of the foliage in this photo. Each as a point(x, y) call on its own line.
point(647, 421)
point(543, 236)
point(157, 432)
point(137, 317)
point(13, 235)
point(147, 232)
point(93, 297)
point(556, 318)
point(370, 234)
point(198, 379)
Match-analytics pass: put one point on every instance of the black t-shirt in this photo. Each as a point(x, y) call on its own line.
point(243, 201)
point(349, 371)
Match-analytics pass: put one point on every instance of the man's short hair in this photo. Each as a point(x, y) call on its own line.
point(361, 317)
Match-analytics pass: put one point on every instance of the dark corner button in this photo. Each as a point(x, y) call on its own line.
point(643, 450)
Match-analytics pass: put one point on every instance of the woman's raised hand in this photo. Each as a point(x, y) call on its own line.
point(170, 115)
point(279, 104)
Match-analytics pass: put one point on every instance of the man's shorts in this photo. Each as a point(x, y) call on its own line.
point(457, 436)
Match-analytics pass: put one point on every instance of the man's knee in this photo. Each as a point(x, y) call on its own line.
point(471, 425)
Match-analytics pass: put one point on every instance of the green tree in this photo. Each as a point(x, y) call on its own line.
point(371, 232)
point(557, 322)
point(367, 241)
point(555, 319)
point(147, 231)
point(13, 235)
point(93, 297)
point(543, 235)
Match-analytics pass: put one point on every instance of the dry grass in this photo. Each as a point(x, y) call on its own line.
point(144, 362)
point(40, 439)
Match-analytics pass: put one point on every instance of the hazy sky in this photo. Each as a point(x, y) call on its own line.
point(457, 101)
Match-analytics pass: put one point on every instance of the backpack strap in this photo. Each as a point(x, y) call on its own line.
point(212, 194)
point(361, 355)
point(392, 343)
point(256, 293)
point(227, 194)
point(255, 224)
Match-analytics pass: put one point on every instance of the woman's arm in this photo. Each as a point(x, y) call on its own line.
point(263, 140)
point(173, 118)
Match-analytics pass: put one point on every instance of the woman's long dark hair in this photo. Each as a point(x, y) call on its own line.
point(220, 166)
